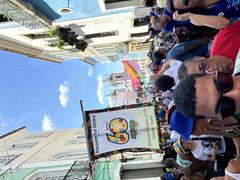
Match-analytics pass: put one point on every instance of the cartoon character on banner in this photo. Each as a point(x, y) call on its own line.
point(119, 127)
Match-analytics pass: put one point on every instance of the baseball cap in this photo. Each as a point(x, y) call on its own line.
point(181, 124)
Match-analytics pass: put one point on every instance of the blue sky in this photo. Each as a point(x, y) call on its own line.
point(31, 90)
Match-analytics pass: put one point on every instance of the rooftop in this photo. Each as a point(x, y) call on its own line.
point(16, 130)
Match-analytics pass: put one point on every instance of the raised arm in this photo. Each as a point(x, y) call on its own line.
point(217, 22)
point(164, 67)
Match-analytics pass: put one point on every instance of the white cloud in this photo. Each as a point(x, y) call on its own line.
point(63, 97)
point(47, 124)
point(90, 72)
point(100, 89)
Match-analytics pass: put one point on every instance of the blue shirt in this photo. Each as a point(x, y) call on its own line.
point(229, 9)
point(179, 50)
point(172, 23)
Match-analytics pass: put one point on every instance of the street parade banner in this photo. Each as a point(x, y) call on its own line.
point(126, 128)
point(134, 72)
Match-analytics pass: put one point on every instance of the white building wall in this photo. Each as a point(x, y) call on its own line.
point(121, 23)
point(45, 148)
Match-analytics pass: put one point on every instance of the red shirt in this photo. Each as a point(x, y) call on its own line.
point(227, 42)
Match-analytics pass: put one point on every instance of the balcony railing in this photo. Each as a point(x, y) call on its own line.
point(24, 14)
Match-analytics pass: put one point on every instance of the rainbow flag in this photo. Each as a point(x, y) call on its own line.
point(134, 72)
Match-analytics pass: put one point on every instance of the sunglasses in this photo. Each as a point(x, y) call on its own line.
point(224, 83)
point(207, 144)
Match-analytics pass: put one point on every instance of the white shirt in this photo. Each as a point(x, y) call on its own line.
point(172, 71)
point(167, 97)
point(174, 136)
point(171, 104)
point(202, 152)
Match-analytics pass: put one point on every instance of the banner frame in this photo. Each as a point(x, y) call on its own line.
point(87, 124)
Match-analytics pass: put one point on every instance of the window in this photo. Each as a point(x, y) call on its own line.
point(103, 34)
point(48, 175)
point(38, 135)
point(4, 160)
point(76, 154)
point(142, 173)
point(119, 76)
point(139, 34)
point(139, 22)
point(79, 140)
point(119, 83)
point(23, 145)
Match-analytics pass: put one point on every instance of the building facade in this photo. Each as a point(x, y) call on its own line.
point(120, 81)
point(43, 155)
point(131, 166)
point(122, 93)
point(106, 27)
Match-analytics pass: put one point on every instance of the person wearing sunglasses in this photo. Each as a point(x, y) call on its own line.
point(187, 126)
point(215, 96)
point(204, 147)
point(223, 54)
point(204, 65)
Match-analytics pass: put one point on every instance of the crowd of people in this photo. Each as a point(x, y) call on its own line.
point(196, 88)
